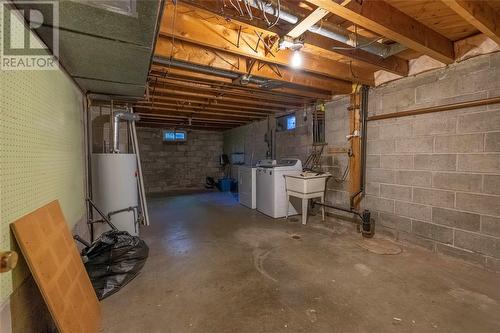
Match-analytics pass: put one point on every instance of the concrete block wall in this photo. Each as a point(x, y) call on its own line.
point(434, 179)
point(336, 130)
point(249, 139)
point(178, 166)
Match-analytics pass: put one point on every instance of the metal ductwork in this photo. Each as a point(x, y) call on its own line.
point(213, 71)
point(334, 32)
point(117, 116)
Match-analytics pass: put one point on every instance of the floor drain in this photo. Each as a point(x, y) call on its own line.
point(295, 236)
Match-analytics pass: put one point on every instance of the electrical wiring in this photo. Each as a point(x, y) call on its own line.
point(173, 40)
point(261, 7)
point(355, 47)
point(249, 9)
point(240, 12)
point(239, 6)
point(346, 171)
point(278, 12)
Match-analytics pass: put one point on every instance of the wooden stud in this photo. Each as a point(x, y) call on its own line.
point(355, 158)
point(179, 110)
point(229, 105)
point(203, 32)
point(480, 14)
point(381, 18)
point(192, 53)
point(214, 97)
point(314, 43)
point(301, 27)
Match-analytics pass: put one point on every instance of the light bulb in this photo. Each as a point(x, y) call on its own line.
point(296, 59)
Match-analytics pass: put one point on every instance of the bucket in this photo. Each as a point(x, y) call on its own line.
point(225, 184)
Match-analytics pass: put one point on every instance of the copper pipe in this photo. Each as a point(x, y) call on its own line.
point(439, 108)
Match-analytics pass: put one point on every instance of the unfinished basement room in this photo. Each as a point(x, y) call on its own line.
point(253, 166)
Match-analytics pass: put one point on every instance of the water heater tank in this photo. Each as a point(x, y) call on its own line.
point(114, 187)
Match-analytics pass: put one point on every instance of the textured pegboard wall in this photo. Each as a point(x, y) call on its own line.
point(41, 149)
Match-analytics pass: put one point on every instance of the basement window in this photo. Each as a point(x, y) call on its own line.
point(174, 136)
point(286, 123)
point(290, 122)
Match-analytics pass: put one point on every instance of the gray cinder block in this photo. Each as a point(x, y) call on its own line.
point(432, 231)
point(464, 143)
point(415, 211)
point(479, 203)
point(474, 242)
point(416, 178)
point(445, 162)
point(479, 162)
point(455, 219)
point(457, 181)
point(490, 226)
point(395, 192)
point(433, 197)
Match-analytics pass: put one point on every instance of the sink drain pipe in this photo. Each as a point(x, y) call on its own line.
point(366, 226)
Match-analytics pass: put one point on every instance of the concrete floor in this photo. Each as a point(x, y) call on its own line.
point(216, 266)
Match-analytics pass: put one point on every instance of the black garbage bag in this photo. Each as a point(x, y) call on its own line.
point(113, 260)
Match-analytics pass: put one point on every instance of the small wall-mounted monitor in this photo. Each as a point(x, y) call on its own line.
point(174, 136)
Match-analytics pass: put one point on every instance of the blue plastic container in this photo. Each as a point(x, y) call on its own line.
point(225, 184)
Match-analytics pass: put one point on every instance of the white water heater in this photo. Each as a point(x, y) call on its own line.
point(114, 188)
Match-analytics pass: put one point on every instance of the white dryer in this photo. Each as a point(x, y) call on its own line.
point(247, 186)
point(271, 192)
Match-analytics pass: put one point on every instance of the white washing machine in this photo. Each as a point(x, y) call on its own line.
point(271, 193)
point(247, 186)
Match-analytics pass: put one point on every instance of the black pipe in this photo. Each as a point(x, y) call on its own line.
point(367, 225)
point(347, 210)
point(364, 134)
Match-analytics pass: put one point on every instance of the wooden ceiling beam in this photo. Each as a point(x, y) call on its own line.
point(224, 91)
point(192, 77)
point(183, 110)
point(167, 125)
point(307, 22)
point(214, 103)
point(181, 94)
point(313, 43)
point(206, 56)
point(206, 107)
point(181, 126)
point(383, 19)
point(193, 28)
point(193, 118)
point(479, 14)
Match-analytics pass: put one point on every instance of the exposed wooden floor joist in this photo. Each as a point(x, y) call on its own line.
point(220, 67)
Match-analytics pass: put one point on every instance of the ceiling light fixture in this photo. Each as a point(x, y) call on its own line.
point(296, 59)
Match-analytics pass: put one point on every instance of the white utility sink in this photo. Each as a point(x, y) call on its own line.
point(306, 182)
point(307, 185)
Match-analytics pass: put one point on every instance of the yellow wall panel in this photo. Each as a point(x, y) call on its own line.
point(41, 149)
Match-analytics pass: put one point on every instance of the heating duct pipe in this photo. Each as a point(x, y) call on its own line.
point(208, 70)
point(117, 116)
point(334, 32)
